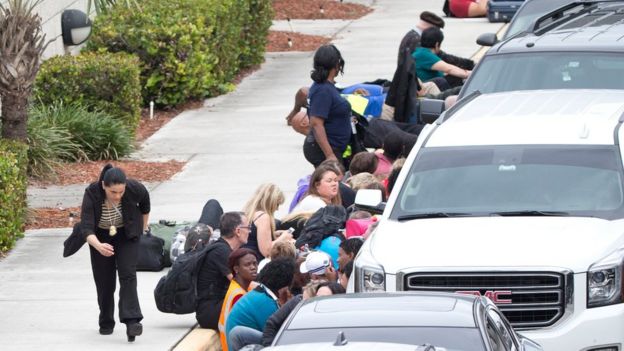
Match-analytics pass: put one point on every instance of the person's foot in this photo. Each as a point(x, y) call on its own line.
point(133, 330)
point(106, 331)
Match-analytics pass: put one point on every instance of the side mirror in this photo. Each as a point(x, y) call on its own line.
point(430, 110)
point(370, 200)
point(487, 39)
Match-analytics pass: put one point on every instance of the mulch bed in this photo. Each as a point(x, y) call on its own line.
point(317, 9)
point(87, 172)
point(42, 218)
point(279, 41)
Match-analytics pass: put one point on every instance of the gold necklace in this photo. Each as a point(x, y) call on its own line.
point(112, 231)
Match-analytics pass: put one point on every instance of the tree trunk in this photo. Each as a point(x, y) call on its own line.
point(15, 117)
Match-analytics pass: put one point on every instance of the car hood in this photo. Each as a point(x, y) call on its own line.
point(495, 242)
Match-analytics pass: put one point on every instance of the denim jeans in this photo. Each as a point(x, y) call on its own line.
point(241, 336)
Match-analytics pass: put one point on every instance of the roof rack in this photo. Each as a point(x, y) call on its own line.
point(562, 15)
point(566, 14)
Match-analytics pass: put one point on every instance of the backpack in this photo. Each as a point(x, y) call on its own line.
point(176, 292)
point(325, 222)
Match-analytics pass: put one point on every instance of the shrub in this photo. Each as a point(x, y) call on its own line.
point(104, 82)
point(98, 134)
point(190, 48)
point(259, 15)
point(13, 160)
point(47, 145)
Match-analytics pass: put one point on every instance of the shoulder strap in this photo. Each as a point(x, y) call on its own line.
point(260, 215)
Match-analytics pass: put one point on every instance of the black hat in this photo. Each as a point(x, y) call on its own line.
point(432, 19)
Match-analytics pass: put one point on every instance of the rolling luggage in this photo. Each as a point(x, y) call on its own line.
point(503, 10)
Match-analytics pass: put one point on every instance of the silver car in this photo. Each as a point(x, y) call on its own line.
point(443, 321)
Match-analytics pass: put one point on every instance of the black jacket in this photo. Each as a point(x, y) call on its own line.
point(274, 323)
point(135, 202)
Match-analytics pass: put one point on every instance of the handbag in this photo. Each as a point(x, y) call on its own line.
point(151, 256)
point(74, 242)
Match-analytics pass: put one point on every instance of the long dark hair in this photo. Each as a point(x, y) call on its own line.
point(112, 175)
point(326, 58)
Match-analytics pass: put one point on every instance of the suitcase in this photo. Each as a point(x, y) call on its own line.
point(502, 10)
point(151, 256)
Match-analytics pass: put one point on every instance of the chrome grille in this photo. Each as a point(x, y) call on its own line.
point(537, 299)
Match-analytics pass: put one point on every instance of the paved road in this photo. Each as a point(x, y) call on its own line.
point(232, 144)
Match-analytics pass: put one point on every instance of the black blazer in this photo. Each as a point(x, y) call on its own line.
point(135, 202)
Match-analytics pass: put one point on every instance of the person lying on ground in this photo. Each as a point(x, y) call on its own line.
point(468, 8)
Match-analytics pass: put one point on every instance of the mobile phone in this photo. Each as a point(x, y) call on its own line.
point(291, 230)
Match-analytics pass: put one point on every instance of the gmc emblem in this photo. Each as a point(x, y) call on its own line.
point(494, 295)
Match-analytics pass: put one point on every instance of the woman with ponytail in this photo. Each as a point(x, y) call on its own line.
point(114, 213)
point(329, 113)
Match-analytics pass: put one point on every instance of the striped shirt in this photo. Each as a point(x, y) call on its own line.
point(111, 216)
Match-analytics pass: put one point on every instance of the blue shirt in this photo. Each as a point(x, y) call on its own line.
point(252, 310)
point(326, 103)
point(424, 60)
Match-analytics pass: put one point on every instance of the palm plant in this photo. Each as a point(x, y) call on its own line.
point(102, 6)
point(21, 44)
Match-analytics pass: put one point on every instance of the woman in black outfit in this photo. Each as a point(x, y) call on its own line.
point(114, 214)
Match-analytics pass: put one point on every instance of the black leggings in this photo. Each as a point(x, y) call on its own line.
point(105, 271)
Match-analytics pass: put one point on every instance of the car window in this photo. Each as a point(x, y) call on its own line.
point(504, 334)
point(547, 70)
point(465, 339)
point(583, 181)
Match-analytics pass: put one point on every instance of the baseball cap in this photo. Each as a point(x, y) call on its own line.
point(316, 262)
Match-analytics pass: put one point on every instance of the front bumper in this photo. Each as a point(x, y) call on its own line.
point(582, 328)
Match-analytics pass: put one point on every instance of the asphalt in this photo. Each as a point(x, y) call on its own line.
point(232, 144)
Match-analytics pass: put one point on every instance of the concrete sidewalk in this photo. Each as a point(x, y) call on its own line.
point(232, 145)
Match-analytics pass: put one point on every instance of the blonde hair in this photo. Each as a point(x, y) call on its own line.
point(267, 198)
point(362, 181)
point(283, 249)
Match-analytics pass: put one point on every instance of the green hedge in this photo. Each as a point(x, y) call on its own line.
point(104, 82)
point(189, 48)
point(13, 161)
point(259, 15)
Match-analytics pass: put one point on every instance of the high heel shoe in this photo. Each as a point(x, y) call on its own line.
point(133, 330)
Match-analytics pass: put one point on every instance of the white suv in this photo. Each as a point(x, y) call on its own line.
point(517, 196)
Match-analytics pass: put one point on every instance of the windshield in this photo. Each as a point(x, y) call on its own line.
point(465, 339)
point(547, 70)
point(513, 180)
point(529, 12)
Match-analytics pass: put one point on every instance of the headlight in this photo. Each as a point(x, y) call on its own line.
point(370, 276)
point(604, 280)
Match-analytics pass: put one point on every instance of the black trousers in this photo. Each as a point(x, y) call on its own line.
point(211, 214)
point(313, 152)
point(105, 271)
point(208, 312)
